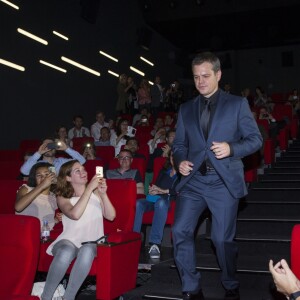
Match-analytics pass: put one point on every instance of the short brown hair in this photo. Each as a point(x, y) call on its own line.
point(209, 57)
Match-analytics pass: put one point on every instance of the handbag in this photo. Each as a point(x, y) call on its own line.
point(152, 198)
point(38, 288)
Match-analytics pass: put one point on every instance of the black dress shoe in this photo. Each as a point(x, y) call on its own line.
point(191, 296)
point(232, 294)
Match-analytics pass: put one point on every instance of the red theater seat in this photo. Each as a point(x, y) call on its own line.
point(295, 250)
point(116, 264)
point(79, 142)
point(8, 190)
point(19, 251)
point(106, 153)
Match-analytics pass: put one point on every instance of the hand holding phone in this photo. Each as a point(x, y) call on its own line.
point(99, 171)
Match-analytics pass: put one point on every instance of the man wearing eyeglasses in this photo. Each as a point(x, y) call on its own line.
point(125, 171)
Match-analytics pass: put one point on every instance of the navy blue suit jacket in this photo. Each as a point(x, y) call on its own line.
point(233, 123)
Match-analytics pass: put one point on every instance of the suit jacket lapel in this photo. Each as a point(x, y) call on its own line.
point(196, 113)
point(218, 113)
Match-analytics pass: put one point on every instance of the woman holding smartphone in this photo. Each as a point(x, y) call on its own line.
point(36, 197)
point(83, 206)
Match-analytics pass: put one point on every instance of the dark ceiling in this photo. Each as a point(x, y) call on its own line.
point(220, 25)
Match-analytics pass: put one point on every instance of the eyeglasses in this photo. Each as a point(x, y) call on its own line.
point(124, 158)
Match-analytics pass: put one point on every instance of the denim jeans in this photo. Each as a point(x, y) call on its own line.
point(64, 252)
point(160, 207)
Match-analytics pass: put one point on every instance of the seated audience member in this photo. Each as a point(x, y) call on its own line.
point(159, 137)
point(163, 151)
point(48, 155)
point(89, 152)
point(78, 130)
point(285, 280)
point(160, 195)
point(246, 93)
point(26, 157)
point(104, 139)
point(125, 171)
point(274, 126)
point(132, 144)
point(262, 100)
point(62, 134)
point(36, 198)
point(263, 133)
point(83, 206)
point(119, 137)
point(143, 121)
point(159, 123)
point(294, 97)
point(168, 122)
point(98, 125)
point(137, 117)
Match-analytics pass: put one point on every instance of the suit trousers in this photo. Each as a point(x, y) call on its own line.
point(195, 196)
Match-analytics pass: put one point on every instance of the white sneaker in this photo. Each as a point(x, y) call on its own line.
point(154, 251)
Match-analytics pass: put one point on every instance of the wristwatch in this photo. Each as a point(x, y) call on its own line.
point(294, 296)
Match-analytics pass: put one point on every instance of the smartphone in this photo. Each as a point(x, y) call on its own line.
point(53, 145)
point(131, 131)
point(99, 171)
point(52, 170)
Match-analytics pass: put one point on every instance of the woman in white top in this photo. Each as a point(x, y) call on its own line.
point(119, 137)
point(83, 206)
point(35, 198)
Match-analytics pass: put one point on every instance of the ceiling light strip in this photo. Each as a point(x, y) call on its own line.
point(80, 66)
point(113, 73)
point(32, 36)
point(137, 71)
point(12, 65)
point(150, 82)
point(10, 4)
point(147, 61)
point(60, 35)
point(53, 66)
point(108, 56)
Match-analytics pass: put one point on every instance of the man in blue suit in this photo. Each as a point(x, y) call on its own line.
point(214, 132)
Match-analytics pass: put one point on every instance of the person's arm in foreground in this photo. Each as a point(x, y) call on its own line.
point(285, 280)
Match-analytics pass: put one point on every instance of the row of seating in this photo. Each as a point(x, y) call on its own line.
point(21, 252)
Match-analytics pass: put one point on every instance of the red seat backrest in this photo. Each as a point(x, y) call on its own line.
point(10, 155)
point(29, 146)
point(282, 110)
point(8, 190)
point(79, 142)
point(143, 134)
point(106, 153)
point(122, 194)
point(19, 252)
point(10, 169)
point(264, 123)
point(90, 167)
point(157, 166)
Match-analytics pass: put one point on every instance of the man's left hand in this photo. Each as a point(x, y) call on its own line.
point(220, 149)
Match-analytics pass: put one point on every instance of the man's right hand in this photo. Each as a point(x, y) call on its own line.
point(186, 167)
point(43, 148)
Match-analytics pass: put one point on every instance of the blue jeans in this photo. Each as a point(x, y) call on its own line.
point(160, 207)
point(64, 252)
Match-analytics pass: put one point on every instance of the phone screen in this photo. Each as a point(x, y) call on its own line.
point(99, 171)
